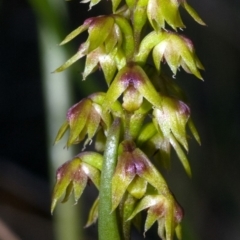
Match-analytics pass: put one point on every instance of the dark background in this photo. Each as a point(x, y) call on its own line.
point(211, 199)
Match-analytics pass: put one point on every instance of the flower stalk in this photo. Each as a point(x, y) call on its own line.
point(143, 114)
point(107, 220)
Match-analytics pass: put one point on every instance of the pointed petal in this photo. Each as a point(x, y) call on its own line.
point(115, 4)
point(68, 192)
point(61, 131)
point(150, 220)
point(92, 126)
point(92, 158)
point(146, 202)
point(93, 214)
point(145, 87)
point(125, 210)
point(81, 53)
point(76, 32)
point(91, 63)
point(92, 173)
point(100, 141)
point(124, 174)
point(171, 13)
point(169, 220)
point(117, 87)
point(193, 13)
point(181, 155)
point(178, 231)
point(147, 170)
point(113, 39)
point(158, 54)
point(161, 228)
point(79, 184)
point(99, 27)
point(151, 40)
point(108, 66)
point(155, 16)
point(93, 3)
point(77, 117)
point(194, 131)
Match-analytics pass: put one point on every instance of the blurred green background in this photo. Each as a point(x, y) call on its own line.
point(34, 102)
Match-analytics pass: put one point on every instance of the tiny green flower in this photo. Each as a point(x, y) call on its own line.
point(96, 26)
point(173, 48)
point(164, 210)
point(132, 163)
point(132, 82)
point(84, 118)
point(74, 175)
point(172, 118)
point(177, 51)
point(110, 43)
point(171, 123)
point(161, 11)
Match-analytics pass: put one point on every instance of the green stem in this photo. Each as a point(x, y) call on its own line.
point(107, 220)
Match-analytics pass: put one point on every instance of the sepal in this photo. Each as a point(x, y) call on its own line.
point(192, 13)
point(93, 214)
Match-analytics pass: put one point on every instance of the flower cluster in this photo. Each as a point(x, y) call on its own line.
point(151, 111)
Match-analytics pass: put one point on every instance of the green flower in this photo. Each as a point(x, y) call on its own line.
point(172, 119)
point(134, 170)
point(110, 45)
point(75, 174)
point(173, 48)
point(162, 209)
point(171, 122)
point(134, 84)
point(83, 118)
point(161, 11)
